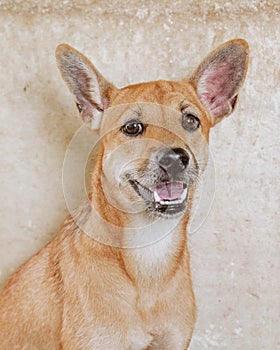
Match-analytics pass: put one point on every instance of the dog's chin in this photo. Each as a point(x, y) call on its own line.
point(156, 204)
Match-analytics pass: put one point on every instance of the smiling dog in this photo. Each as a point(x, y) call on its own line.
point(118, 275)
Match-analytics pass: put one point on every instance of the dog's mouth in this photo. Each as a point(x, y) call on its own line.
point(163, 199)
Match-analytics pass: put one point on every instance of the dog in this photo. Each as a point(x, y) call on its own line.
point(118, 277)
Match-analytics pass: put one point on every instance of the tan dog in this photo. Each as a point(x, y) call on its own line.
point(118, 275)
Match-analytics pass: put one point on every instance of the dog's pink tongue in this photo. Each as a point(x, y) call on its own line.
point(170, 191)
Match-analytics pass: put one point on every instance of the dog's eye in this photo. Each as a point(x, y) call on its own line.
point(190, 122)
point(133, 128)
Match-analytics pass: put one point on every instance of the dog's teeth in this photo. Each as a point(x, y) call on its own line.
point(177, 201)
point(184, 194)
point(157, 197)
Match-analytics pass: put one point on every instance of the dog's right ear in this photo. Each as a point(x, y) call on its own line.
point(91, 91)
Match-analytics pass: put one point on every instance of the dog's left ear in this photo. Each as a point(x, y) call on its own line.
point(91, 91)
point(219, 77)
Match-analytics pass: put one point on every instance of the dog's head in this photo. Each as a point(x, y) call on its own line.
point(155, 135)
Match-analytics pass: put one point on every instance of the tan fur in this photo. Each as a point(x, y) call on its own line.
point(78, 293)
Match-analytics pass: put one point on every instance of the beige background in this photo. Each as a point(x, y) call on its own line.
point(235, 254)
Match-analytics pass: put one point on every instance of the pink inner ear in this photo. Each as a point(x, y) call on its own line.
point(217, 86)
point(83, 82)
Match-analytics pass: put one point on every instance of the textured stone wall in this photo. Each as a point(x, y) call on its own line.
point(235, 253)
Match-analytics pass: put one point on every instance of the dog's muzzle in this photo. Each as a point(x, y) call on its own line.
point(168, 193)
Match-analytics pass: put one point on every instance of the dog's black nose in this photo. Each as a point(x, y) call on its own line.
point(173, 160)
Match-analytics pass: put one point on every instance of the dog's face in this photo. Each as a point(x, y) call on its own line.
point(154, 150)
point(155, 135)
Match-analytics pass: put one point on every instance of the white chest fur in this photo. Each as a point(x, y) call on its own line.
point(155, 248)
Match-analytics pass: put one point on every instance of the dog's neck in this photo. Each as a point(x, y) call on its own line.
point(156, 262)
point(152, 248)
